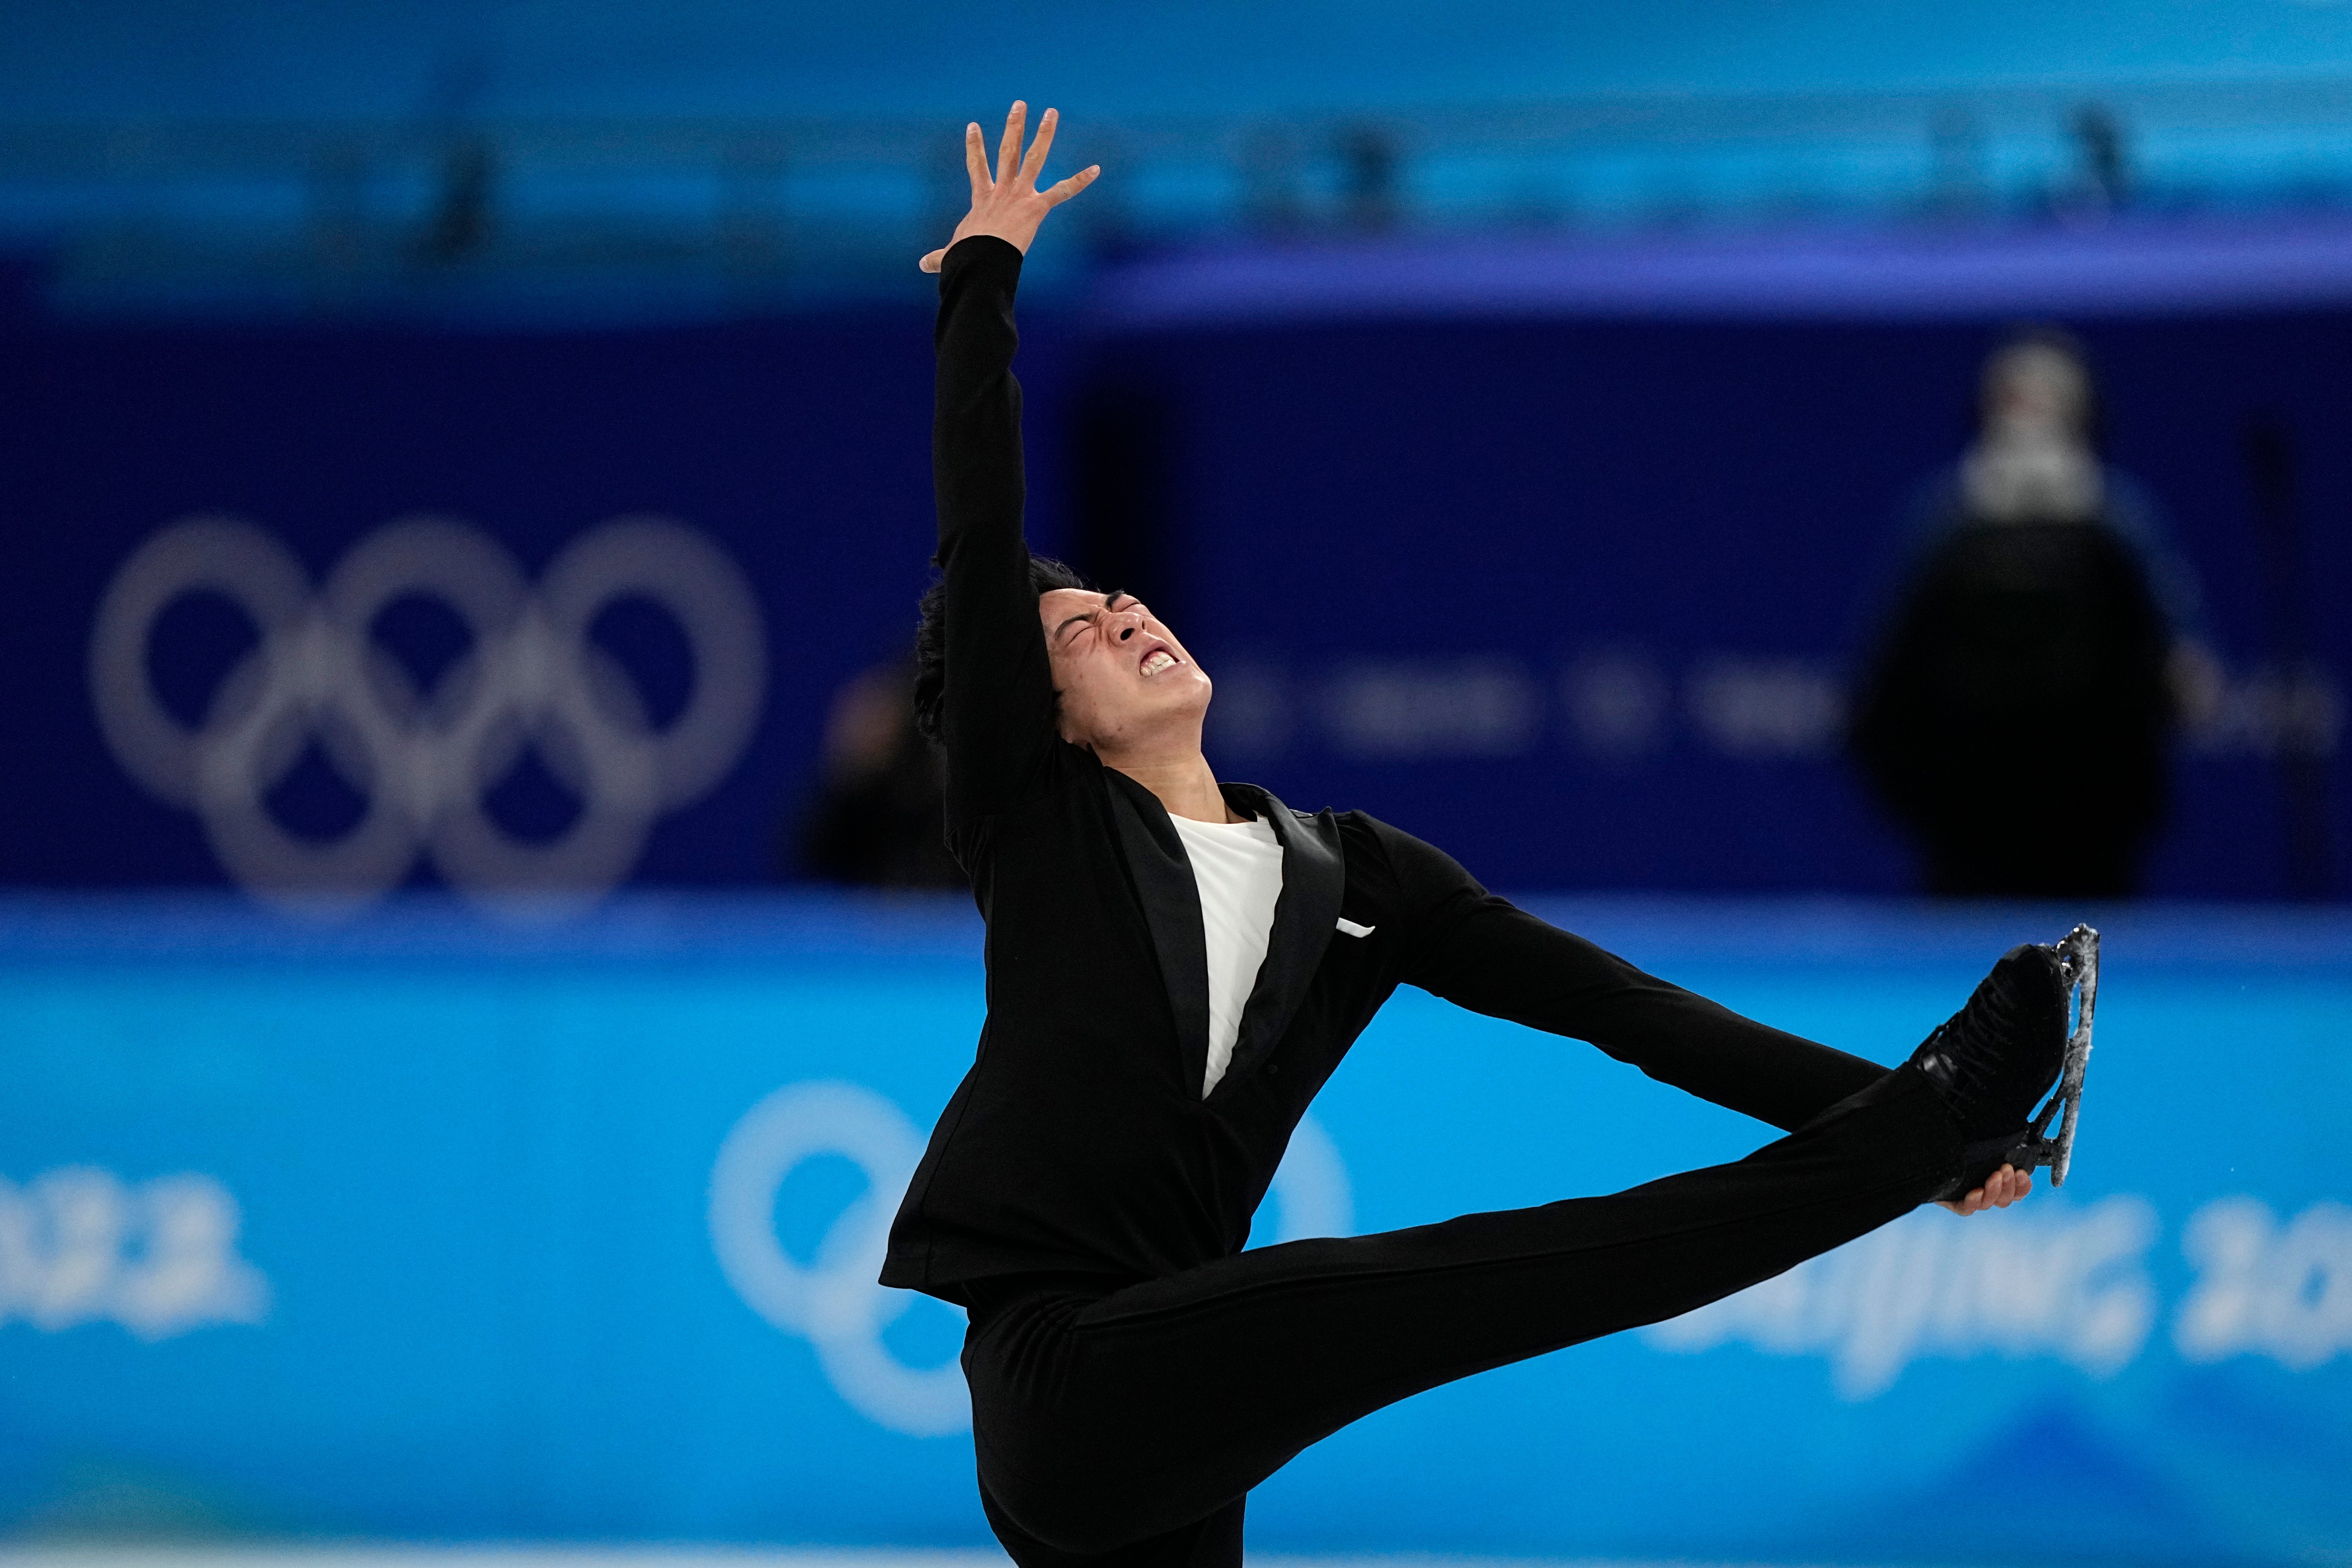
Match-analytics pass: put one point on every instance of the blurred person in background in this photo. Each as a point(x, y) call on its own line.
point(2016, 713)
point(878, 819)
point(1176, 965)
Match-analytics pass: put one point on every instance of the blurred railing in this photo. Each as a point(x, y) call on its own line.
point(505, 216)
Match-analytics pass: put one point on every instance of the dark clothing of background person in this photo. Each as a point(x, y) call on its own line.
point(2019, 714)
point(879, 815)
point(1134, 1372)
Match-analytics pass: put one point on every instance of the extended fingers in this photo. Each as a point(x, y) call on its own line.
point(975, 160)
point(933, 262)
point(1035, 161)
point(1008, 151)
point(1062, 191)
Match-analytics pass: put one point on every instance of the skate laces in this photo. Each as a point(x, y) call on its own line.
point(1994, 1059)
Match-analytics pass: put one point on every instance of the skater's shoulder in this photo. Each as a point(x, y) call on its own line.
point(1387, 834)
point(1359, 831)
point(1412, 862)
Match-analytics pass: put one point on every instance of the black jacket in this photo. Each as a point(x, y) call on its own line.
point(2024, 671)
point(1079, 1142)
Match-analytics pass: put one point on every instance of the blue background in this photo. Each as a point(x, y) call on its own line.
point(262, 58)
point(473, 1163)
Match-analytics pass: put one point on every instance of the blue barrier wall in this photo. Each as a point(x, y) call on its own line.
point(1607, 576)
point(427, 1226)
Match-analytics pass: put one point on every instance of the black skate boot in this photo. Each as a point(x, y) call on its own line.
point(1998, 1055)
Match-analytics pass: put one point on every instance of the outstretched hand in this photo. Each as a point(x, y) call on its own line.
point(1009, 204)
point(2002, 1188)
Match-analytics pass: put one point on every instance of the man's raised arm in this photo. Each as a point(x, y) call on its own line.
point(998, 712)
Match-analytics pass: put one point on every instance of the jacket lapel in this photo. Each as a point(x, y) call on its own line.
point(1314, 877)
point(1172, 910)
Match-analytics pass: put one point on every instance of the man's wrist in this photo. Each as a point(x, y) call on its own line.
point(985, 241)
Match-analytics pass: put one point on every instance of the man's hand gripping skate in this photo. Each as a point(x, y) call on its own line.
point(1009, 204)
point(2002, 1188)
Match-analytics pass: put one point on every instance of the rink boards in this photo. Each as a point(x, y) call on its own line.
point(437, 1228)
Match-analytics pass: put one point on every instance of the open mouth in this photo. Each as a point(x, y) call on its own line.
point(1155, 661)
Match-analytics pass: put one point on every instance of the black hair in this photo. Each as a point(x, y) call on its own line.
point(1046, 575)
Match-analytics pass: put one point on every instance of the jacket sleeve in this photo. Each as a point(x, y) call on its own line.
point(1484, 953)
point(998, 712)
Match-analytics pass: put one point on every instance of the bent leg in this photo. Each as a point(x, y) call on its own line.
point(1105, 1420)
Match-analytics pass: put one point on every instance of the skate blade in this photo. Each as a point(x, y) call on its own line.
point(2078, 965)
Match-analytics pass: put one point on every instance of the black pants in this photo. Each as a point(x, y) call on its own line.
point(1125, 1427)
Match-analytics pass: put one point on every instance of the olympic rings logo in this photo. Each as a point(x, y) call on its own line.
point(835, 1302)
point(837, 1305)
point(424, 758)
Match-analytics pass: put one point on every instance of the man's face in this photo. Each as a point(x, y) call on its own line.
point(2034, 389)
point(1121, 674)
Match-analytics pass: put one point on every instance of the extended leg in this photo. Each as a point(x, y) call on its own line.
point(1103, 1420)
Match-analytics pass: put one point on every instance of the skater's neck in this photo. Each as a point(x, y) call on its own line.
point(1182, 780)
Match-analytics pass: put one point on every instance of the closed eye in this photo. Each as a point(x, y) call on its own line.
point(1109, 604)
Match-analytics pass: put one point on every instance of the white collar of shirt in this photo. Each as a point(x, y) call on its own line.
point(1237, 869)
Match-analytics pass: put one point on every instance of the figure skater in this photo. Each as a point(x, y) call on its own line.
point(1175, 965)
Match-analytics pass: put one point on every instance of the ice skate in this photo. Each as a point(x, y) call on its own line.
point(1998, 1055)
point(2078, 959)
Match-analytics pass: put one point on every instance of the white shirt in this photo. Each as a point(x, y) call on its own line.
point(1238, 866)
